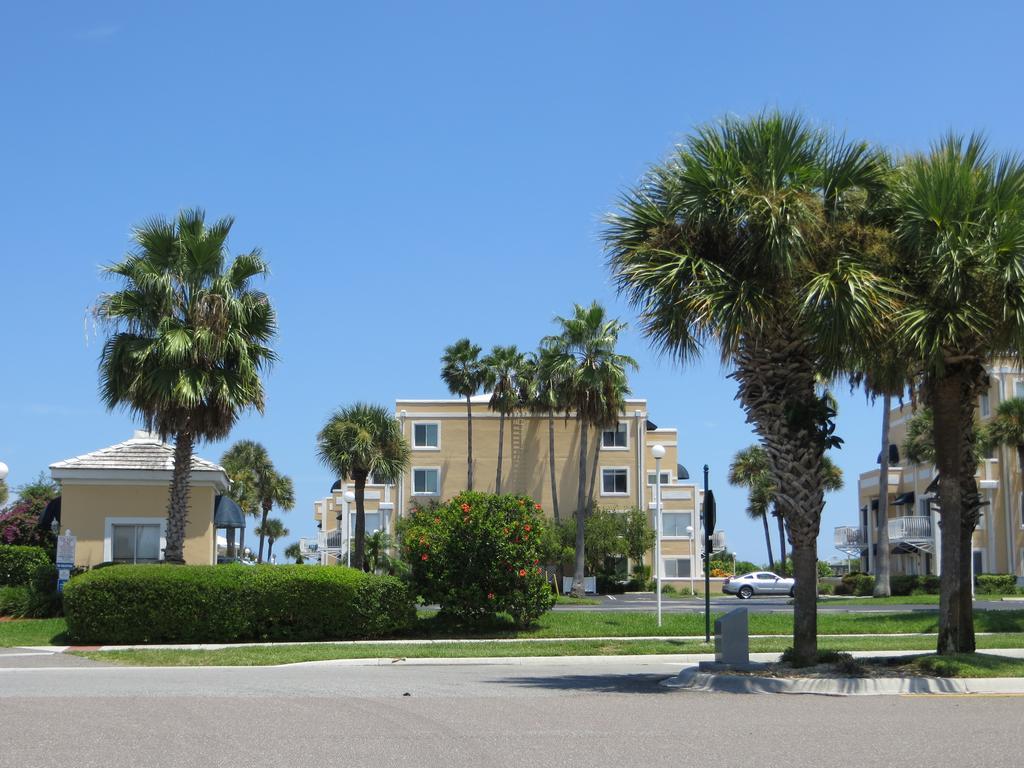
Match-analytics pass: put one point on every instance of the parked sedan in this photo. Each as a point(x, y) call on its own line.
point(758, 583)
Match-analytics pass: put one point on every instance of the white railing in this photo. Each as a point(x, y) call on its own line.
point(848, 537)
point(309, 547)
point(903, 528)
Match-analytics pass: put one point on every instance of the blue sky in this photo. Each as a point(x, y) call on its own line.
point(392, 158)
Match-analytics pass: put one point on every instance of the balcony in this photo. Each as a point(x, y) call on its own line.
point(916, 531)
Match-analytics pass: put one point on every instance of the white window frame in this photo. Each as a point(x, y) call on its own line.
point(412, 476)
point(615, 494)
point(664, 570)
point(984, 560)
point(384, 517)
point(675, 512)
point(624, 427)
point(666, 478)
point(108, 533)
point(426, 447)
point(1018, 388)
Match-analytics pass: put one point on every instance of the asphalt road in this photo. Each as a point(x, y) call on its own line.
point(557, 713)
point(646, 601)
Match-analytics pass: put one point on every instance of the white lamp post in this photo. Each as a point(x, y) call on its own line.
point(349, 498)
point(3, 471)
point(693, 556)
point(734, 565)
point(658, 452)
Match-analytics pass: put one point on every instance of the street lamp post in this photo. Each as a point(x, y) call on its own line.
point(349, 498)
point(734, 565)
point(658, 452)
point(693, 556)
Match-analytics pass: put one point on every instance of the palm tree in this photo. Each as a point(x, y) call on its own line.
point(357, 441)
point(294, 552)
point(378, 544)
point(259, 480)
point(958, 216)
point(463, 374)
point(749, 469)
point(750, 238)
point(189, 341)
point(1007, 427)
point(594, 384)
point(273, 529)
point(542, 395)
point(502, 370)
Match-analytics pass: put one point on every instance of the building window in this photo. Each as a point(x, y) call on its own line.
point(1018, 388)
point(615, 481)
point(676, 523)
point(616, 437)
point(676, 567)
point(666, 478)
point(984, 406)
point(426, 481)
point(426, 435)
point(979, 561)
point(375, 521)
point(135, 543)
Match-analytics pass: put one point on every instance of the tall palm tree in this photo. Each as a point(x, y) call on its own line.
point(594, 384)
point(378, 545)
point(357, 441)
point(958, 216)
point(294, 551)
point(273, 529)
point(189, 341)
point(749, 469)
point(463, 374)
point(502, 370)
point(1007, 427)
point(260, 481)
point(750, 237)
point(543, 396)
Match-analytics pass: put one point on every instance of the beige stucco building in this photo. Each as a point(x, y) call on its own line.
point(914, 534)
point(437, 432)
point(114, 501)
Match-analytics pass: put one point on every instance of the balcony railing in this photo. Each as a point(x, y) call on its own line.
point(910, 528)
point(848, 537)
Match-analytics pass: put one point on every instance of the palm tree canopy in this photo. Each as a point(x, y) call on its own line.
point(273, 529)
point(590, 374)
point(249, 466)
point(190, 335)
point(363, 439)
point(749, 469)
point(503, 370)
point(919, 441)
point(1007, 424)
point(752, 224)
point(959, 224)
point(461, 369)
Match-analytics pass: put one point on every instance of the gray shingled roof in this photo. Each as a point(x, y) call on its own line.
point(145, 452)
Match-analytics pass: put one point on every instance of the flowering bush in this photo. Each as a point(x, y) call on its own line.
point(19, 525)
point(477, 555)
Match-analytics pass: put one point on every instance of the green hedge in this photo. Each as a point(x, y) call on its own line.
point(997, 583)
point(17, 563)
point(902, 585)
point(233, 603)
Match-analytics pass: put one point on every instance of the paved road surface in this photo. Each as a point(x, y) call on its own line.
point(558, 713)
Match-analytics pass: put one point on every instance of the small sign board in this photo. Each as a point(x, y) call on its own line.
point(65, 558)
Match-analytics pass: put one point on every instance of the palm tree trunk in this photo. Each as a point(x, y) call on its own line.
point(501, 447)
point(782, 539)
point(263, 527)
point(551, 464)
point(593, 475)
point(469, 443)
point(578, 588)
point(952, 401)
point(882, 539)
point(768, 541)
point(360, 534)
point(177, 504)
point(230, 550)
point(270, 549)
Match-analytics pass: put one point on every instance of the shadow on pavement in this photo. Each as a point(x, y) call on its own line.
point(633, 683)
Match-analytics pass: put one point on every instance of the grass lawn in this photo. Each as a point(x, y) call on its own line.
point(623, 624)
point(566, 600)
point(905, 600)
point(290, 654)
point(968, 665)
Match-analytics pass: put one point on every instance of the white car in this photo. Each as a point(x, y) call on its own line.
point(758, 583)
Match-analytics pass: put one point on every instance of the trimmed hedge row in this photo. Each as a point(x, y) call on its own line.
point(233, 603)
point(17, 563)
point(997, 583)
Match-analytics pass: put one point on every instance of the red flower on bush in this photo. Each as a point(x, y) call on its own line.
point(527, 527)
point(424, 556)
point(465, 507)
point(522, 571)
point(490, 595)
point(535, 562)
point(437, 519)
point(536, 506)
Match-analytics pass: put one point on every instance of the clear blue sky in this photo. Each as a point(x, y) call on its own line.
point(419, 172)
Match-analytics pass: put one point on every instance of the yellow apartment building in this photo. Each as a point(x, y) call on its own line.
point(437, 432)
point(914, 534)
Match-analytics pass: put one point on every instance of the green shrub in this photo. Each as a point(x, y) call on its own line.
point(842, 589)
point(997, 583)
point(43, 599)
point(14, 601)
point(609, 585)
point(825, 589)
point(860, 584)
point(668, 589)
point(477, 555)
point(17, 563)
point(230, 603)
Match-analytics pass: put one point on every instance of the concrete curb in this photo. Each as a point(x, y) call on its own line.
point(694, 680)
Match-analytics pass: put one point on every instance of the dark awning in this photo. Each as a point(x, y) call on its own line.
point(651, 426)
point(933, 486)
point(336, 486)
point(681, 472)
point(50, 513)
point(894, 455)
point(874, 504)
point(904, 498)
point(227, 514)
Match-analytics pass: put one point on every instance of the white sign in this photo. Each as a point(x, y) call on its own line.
point(66, 549)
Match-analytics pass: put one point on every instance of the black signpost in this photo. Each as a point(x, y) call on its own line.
point(707, 516)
